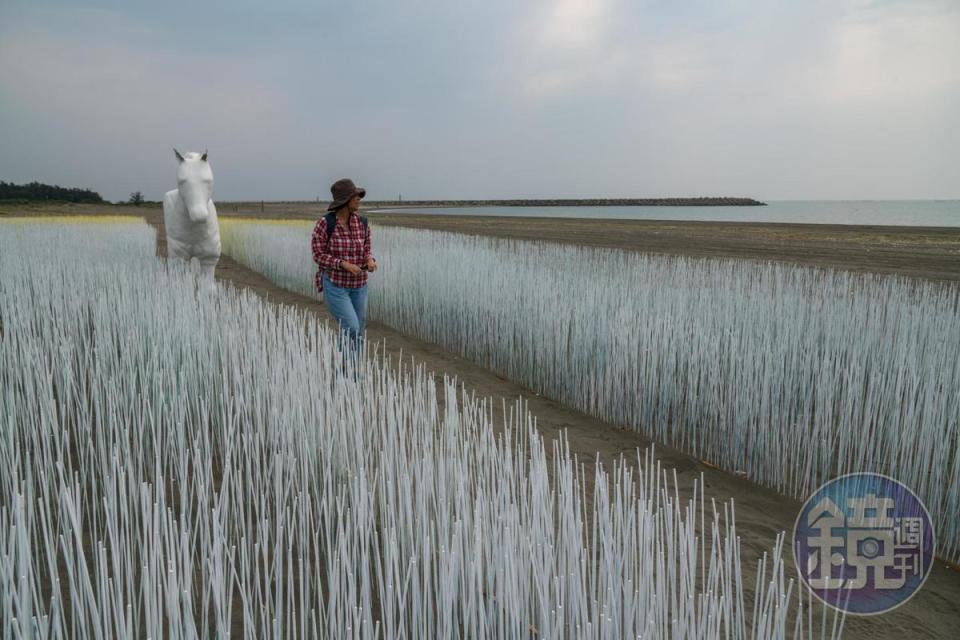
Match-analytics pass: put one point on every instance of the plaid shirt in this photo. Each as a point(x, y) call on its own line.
point(351, 244)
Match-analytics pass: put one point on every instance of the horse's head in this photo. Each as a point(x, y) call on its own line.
point(195, 183)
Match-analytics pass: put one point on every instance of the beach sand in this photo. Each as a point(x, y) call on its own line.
point(924, 252)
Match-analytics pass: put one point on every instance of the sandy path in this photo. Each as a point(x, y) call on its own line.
point(934, 612)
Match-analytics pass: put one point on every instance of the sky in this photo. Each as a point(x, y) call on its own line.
point(448, 99)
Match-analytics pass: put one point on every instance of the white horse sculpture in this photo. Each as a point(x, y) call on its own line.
point(189, 216)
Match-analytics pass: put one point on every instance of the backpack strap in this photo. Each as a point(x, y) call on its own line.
point(331, 220)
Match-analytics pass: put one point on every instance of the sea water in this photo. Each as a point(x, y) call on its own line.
point(919, 213)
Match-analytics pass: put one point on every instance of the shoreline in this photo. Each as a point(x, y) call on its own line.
point(710, 201)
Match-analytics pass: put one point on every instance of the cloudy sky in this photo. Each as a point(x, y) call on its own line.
point(812, 99)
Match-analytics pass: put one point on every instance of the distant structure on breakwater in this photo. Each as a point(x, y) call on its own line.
point(590, 202)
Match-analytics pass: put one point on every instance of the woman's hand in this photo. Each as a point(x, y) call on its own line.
point(371, 265)
point(349, 266)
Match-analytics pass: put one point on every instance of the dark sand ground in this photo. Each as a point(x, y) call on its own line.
point(927, 252)
point(923, 252)
point(934, 612)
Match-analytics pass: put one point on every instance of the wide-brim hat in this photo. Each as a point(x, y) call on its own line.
point(342, 190)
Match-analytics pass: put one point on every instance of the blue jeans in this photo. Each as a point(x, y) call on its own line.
point(349, 307)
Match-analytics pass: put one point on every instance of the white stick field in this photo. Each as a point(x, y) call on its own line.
point(178, 464)
point(790, 375)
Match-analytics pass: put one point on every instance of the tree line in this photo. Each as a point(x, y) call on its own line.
point(33, 191)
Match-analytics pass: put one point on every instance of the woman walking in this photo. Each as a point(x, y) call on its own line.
point(341, 249)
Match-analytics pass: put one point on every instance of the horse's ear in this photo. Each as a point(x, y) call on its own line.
point(179, 157)
point(204, 156)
